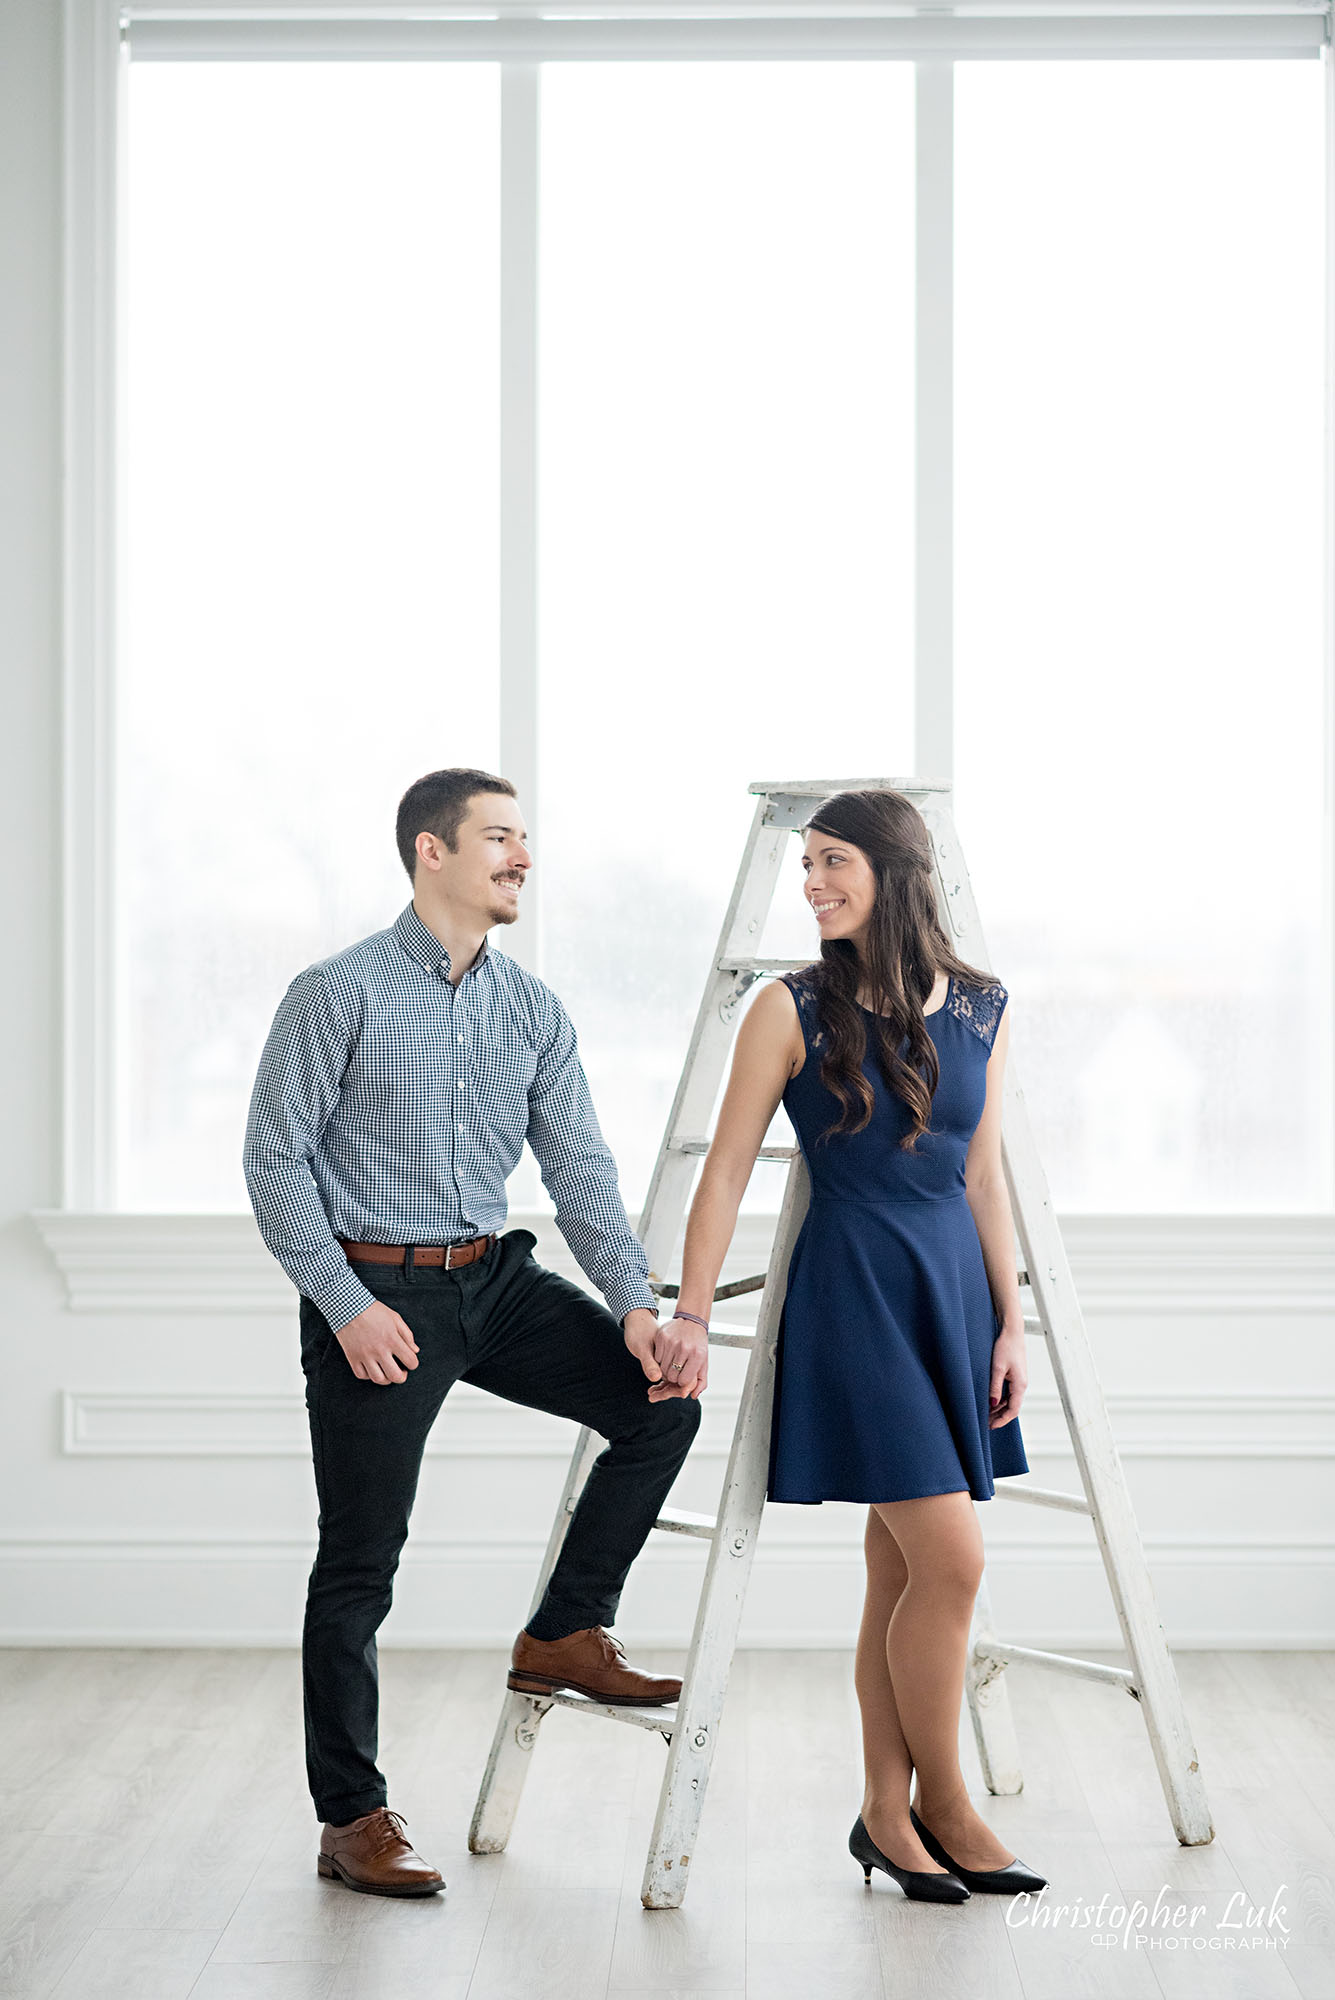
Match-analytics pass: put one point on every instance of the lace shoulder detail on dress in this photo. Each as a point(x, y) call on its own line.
point(980, 1006)
point(803, 989)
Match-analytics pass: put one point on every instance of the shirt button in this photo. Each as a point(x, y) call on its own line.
point(458, 1128)
point(461, 1084)
point(458, 1038)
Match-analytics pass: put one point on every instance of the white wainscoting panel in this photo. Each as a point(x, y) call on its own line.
point(162, 1423)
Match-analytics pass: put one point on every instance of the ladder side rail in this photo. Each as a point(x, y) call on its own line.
point(507, 1767)
point(702, 1071)
point(719, 1609)
point(1081, 1393)
point(517, 1725)
point(1104, 1480)
point(588, 1444)
point(994, 1734)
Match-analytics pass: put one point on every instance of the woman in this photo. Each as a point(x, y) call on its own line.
point(901, 1359)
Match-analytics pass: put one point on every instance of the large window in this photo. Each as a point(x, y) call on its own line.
point(724, 483)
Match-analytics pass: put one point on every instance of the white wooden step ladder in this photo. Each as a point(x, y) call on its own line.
point(691, 1726)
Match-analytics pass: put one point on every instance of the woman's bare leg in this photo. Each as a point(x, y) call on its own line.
point(885, 1755)
point(924, 1565)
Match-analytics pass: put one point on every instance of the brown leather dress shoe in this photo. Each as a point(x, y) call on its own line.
point(373, 1854)
point(590, 1662)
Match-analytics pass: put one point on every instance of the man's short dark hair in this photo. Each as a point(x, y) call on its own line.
point(437, 804)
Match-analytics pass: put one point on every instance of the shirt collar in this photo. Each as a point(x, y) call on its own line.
point(425, 947)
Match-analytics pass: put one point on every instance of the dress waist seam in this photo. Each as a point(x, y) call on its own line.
point(890, 1201)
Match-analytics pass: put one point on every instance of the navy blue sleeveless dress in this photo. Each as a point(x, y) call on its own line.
point(885, 1342)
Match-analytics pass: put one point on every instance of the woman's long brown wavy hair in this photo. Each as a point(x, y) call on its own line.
point(906, 947)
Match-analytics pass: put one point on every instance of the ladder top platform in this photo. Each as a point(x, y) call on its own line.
point(824, 788)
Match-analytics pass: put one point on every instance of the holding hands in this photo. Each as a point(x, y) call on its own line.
point(674, 1355)
point(380, 1348)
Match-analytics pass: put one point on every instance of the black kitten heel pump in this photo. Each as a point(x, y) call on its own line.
point(918, 1884)
point(991, 1881)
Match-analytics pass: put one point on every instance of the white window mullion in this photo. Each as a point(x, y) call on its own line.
point(1325, 1083)
point(94, 225)
point(520, 86)
point(934, 567)
point(519, 461)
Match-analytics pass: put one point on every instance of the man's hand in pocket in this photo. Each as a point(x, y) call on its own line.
point(379, 1345)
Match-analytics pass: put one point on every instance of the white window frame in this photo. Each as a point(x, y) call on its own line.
point(98, 37)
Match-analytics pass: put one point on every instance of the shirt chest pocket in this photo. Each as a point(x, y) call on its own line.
point(403, 1060)
point(498, 1080)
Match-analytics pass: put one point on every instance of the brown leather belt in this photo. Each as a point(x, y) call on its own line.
point(451, 1255)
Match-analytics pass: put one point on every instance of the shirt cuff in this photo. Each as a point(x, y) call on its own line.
point(630, 1294)
point(342, 1299)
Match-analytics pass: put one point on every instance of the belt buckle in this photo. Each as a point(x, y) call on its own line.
point(449, 1253)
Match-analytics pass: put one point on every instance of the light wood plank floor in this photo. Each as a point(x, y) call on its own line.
point(156, 1841)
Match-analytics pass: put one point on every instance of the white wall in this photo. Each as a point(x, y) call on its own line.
point(154, 1484)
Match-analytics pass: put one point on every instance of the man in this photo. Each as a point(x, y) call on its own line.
point(398, 1084)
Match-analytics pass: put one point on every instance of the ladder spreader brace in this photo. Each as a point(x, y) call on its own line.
point(690, 1727)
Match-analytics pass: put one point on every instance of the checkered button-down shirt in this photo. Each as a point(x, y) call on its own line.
point(390, 1107)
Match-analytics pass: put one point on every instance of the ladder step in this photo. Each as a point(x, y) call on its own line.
point(702, 1146)
point(677, 1522)
point(732, 1340)
point(1043, 1496)
point(729, 1291)
point(1090, 1670)
point(642, 1718)
point(761, 967)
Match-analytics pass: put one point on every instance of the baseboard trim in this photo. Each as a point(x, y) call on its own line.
point(832, 1641)
point(773, 1551)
